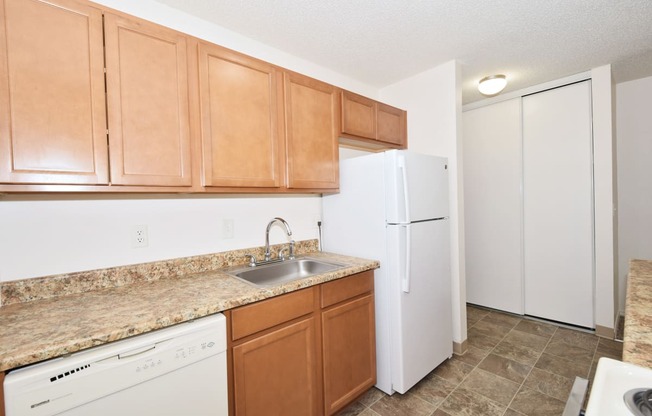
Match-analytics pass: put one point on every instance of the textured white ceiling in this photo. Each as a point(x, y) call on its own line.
point(380, 42)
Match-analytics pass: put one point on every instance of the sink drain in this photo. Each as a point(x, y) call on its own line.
point(639, 401)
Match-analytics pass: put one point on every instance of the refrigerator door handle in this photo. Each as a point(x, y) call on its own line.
point(406, 196)
point(405, 282)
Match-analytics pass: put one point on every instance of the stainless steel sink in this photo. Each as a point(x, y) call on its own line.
point(283, 272)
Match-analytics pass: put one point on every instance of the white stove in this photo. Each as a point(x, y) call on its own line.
point(613, 381)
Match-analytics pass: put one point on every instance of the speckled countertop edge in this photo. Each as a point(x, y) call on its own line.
point(637, 345)
point(42, 329)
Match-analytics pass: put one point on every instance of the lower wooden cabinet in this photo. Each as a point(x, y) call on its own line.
point(309, 352)
point(348, 346)
point(276, 373)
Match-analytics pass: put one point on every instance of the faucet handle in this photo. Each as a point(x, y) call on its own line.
point(281, 253)
point(291, 250)
point(252, 260)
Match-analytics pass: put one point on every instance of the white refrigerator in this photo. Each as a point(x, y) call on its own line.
point(393, 207)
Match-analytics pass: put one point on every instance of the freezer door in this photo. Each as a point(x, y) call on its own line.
point(417, 187)
point(420, 299)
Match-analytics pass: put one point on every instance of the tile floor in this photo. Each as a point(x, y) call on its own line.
point(513, 367)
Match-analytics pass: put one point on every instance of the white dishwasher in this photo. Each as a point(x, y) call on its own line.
point(180, 370)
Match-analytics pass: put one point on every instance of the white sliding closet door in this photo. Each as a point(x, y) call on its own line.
point(558, 204)
point(493, 207)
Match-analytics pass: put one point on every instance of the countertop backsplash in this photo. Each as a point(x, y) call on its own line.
point(27, 290)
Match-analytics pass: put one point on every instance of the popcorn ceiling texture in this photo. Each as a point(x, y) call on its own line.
point(381, 42)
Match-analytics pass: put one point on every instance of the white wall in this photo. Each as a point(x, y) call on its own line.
point(604, 176)
point(43, 235)
point(433, 100)
point(634, 132)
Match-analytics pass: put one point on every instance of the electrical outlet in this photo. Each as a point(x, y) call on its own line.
point(227, 228)
point(316, 218)
point(139, 236)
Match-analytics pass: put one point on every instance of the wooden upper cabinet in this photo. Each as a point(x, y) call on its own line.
point(312, 124)
point(148, 108)
point(241, 119)
point(379, 125)
point(52, 111)
point(392, 125)
point(358, 115)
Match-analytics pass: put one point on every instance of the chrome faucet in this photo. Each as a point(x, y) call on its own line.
point(268, 253)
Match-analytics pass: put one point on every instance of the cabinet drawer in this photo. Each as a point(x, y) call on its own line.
point(346, 288)
point(258, 316)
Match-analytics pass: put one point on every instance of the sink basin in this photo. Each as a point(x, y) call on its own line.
point(285, 271)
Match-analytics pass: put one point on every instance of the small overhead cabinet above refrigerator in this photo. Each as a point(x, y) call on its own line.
point(528, 178)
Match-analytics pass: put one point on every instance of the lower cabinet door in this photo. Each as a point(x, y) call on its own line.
point(276, 373)
point(349, 352)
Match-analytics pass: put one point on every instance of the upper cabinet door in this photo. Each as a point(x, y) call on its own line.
point(241, 119)
point(392, 125)
point(52, 111)
point(312, 123)
point(148, 108)
point(358, 115)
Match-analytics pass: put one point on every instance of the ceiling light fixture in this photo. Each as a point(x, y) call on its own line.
point(492, 84)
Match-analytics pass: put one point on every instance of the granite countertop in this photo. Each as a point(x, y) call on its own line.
point(45, 328)
point(637, 346)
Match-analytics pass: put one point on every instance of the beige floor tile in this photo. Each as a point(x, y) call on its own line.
point(525, 339)
point(369, 412)
point(354, 409)
point(475, 314)
point(551, 384)
point(533, 403)
point(490, 329)
point(403, 405)
point(440, 412)
point(433, 389)
point(473, 355)
point(497, 361)
point(570, 352)
point(462, 402)
point(478, 340)
point(504, 367)
point(493, 387)
point(371, 396)
point(453, 370)
point(577, 338)
point(610, 347)
point(511, 412)
point(536, 328)
point(563, 367)
point(503, 319)
point(517, 352)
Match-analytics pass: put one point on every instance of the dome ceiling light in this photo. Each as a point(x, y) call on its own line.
point(492, 84)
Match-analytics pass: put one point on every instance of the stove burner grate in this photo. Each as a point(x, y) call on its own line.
point(639, 401)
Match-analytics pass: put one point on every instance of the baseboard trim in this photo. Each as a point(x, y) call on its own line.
point(460, 348)
point(605, 332)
